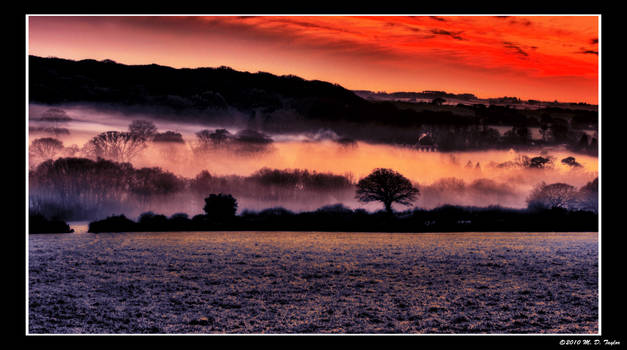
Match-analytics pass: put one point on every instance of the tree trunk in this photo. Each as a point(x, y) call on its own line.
point(388, 207)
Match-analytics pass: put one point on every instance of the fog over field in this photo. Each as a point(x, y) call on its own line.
point(474, 178)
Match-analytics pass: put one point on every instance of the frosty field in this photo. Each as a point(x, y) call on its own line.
point(313, 282)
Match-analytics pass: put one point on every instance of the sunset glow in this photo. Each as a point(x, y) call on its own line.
point(530, 57)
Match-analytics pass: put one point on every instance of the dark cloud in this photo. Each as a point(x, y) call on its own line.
point(592, 52)
point(515, 47)
point(502, 17)
point(438, 18)
point(523, 21)
point(594, 41)
point(454, 35)
point(305, 24)
point(404, 26)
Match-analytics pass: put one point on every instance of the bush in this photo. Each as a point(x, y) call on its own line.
point(220, 206)
point(114, 223)
point(38, 223)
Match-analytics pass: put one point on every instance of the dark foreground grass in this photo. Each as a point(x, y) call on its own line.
point(313, 282)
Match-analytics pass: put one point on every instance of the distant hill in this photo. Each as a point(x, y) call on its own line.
point(278, 104)
point(56, 81)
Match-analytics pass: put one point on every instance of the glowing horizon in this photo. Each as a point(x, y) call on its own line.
point(530, 57)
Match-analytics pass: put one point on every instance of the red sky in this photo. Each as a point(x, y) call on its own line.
point(530, 57)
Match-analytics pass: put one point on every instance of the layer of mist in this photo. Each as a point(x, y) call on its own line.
point(475, 178)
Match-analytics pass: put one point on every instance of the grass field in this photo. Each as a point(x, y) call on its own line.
point(308, 282)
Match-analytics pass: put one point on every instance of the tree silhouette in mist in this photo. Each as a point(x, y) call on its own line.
point(220, 206)
point(386, 186)
point(539, 162)
point(168, 137)
point(207, 139)
point(46, 147)
point(220, 136)
point(557, 195)
point(55, 116)
point(251, 141)
point(143, 128)
point(115, 145)
point(55, 119)
point(588, 196)
point(571, 161)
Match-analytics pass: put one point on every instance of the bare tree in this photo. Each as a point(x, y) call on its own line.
point(557, 195)
point(143, 128)
point(46, 147)
point(387, 186)
point(115, 145)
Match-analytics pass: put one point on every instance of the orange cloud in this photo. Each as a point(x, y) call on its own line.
point(540, 57)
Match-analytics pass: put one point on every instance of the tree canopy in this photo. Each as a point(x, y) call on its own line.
point(557, 195)
point(220, 206)
point(386, 186)
point(143, 128)
point(115, 145)
point(46, 147)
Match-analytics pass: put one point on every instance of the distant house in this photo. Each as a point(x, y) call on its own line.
point(426, 143)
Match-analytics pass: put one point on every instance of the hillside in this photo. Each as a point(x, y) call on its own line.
point(279, 104)
point(54, 81)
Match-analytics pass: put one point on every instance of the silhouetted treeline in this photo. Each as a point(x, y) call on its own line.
point(81, 188)
point(565, 196)
point(38, 223)
point(415, 95)
point(84, 189)
point(339, 218)
point(440, 97)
